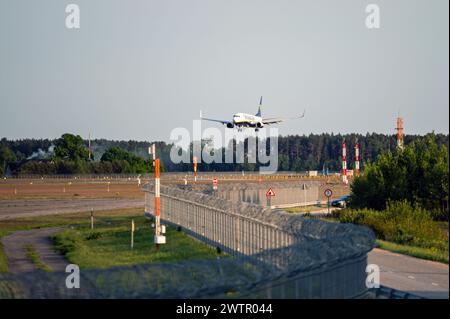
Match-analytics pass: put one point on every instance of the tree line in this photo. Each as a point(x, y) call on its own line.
point(69, 154)
point(418, 174)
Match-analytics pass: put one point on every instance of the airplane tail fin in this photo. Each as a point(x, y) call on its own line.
point(259, 108)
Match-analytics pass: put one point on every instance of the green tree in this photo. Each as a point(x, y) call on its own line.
point(6, 157)
point(71, 147)
point(418, 174)
point(125, 162)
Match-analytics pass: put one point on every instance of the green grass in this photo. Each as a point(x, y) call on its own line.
point(109, 243)
point(305, 209)
point(3, 261)
point(9, 226)
point(419, 252)
point(110, 246)
point(35, 258)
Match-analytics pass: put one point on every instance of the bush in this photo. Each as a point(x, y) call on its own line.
point(64, 243)
point(94, 235)
point(401, 223)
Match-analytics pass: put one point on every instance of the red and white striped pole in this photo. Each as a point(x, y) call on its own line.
point(159, 239)
point(194, 160)
point(344, 162)
point(357, 159)
point(157, 201)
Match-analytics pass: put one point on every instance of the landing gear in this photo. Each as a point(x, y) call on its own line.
point(256, 129)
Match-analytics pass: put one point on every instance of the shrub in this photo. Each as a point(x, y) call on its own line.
point(400, 223)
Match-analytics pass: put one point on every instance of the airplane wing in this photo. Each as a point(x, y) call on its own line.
point(224, 122)
point(275, 120)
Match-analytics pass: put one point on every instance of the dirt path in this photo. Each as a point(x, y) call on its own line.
point(27, 208)
point(15, 251)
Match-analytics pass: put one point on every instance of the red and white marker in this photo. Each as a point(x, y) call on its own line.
point(159, 239)
point(194, 160)
point(357, 159)
point(344, 162)
point(214, 184)
point(270, 192)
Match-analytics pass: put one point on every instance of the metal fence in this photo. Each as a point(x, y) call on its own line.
point(320, 259)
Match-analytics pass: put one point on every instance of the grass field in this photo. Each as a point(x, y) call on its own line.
point(10, 225)
point(3, 261)
point(110, 240)
point(419, 252)
point(305, 209)
point(109, 246)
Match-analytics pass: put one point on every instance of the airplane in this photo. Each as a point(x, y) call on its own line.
point(241, 120)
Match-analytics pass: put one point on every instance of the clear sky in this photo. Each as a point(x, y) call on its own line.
point(137, 69)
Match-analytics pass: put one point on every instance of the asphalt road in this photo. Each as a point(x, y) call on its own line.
point(417, 276)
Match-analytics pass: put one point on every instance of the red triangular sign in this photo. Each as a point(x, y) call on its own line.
point(270, 192)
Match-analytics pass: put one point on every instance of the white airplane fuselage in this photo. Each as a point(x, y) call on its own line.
point(247, 120)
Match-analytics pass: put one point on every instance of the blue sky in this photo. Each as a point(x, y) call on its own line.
point(137, 69)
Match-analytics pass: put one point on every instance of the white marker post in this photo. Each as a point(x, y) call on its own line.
point(92, 218)
point(304, 194)
point(132, 234)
